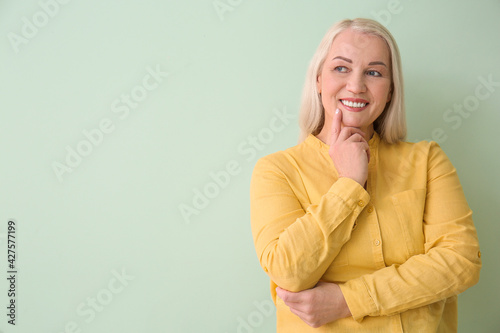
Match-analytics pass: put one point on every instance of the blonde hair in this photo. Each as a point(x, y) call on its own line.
point(391, 124)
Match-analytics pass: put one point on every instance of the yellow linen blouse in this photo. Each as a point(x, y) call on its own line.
point(401, 250)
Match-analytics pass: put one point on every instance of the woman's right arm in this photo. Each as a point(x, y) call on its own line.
point(296, 246)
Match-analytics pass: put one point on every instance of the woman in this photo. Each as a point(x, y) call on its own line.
point(358, 230)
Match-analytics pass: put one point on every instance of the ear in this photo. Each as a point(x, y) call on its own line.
point(318, 83)
point(389, 95)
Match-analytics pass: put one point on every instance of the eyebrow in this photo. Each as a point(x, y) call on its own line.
point(371, 63)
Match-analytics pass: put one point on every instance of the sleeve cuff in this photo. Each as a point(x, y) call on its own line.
point(358, 299)
point(349, 191)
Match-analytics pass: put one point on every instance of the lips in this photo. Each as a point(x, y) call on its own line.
point(354, 104)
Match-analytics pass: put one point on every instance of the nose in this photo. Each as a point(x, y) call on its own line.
point(356, 83)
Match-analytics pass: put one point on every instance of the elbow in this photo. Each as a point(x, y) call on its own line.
point(287, 274)
point(468, 279)
point(475, 273)
point(470, 273)
point(293, 285)
point(475, 265)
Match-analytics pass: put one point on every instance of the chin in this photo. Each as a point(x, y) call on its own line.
point(353, 123)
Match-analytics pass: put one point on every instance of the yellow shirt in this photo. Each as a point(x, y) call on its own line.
point(401, 250)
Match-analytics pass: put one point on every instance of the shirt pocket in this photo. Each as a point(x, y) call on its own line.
point(409, 206)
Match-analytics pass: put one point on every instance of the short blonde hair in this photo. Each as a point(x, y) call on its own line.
point(391, 124)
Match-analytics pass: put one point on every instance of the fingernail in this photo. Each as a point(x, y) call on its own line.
point(337, 111)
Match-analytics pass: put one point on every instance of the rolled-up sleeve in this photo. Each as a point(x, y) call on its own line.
point(296, 245)
point(451, 262)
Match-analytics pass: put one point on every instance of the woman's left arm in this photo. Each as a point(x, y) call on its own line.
point(450, 264)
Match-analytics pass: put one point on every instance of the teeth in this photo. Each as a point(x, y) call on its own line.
point(353, 104)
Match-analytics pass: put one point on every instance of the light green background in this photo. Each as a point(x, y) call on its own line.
point(228, 74)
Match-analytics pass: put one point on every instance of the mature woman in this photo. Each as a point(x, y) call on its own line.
point(358, 230)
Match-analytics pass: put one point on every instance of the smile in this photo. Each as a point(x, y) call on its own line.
point(353, 104)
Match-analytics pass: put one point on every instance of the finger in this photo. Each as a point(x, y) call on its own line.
point(336, 126)
point(362, 146)
point(347, 132)
point(304, 308)
point(281, 293)
point(287, 296)
point(301, 310)
point(300, 314)
point(356, 137)
point(293, 298)
point(359, 141)
point(306, 318)
point(366, 148)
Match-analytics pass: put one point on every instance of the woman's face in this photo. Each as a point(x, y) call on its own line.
point(356, 78)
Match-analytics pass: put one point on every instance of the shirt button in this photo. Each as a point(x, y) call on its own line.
point(376, 242)
point(370, 209)
point(361, 203)
point(479, 254)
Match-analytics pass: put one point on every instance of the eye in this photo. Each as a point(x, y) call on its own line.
point(340, 69)
point(374, 73)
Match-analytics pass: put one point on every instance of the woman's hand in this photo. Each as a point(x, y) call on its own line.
point(317, 306)
point(349, 150)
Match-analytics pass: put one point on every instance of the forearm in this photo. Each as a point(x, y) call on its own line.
point(450, 265)
point(295, 247)
point(450, 259)
point(302, 253)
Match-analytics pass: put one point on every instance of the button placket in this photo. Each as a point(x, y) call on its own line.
point(376, 238)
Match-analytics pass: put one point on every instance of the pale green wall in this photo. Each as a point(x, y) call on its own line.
point(119, 208)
